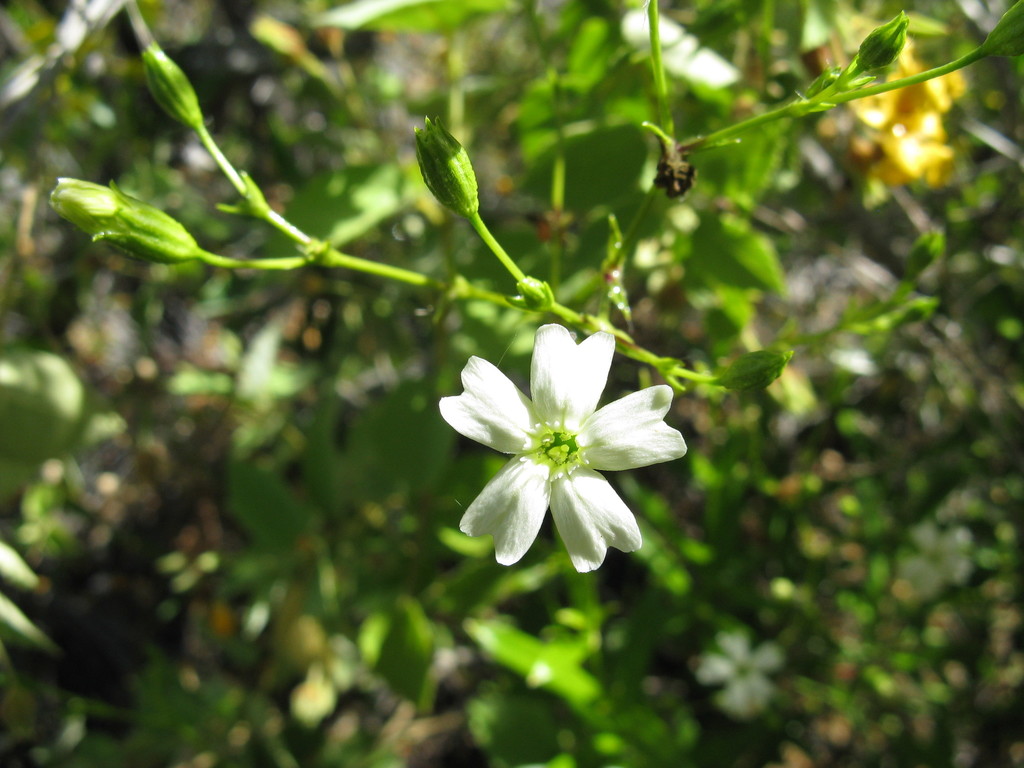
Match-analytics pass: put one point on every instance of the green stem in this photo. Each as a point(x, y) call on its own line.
point(289, 230)
point(827, 100)
point(557, 241)
point(633, 231)
point(333, 258)
point(496, 249)
point(288, 262)
point(658, 67)
point(905, 82)
point(222, 162)
point(324, 256)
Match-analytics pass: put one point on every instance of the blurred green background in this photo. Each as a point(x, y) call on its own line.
point(229, 506)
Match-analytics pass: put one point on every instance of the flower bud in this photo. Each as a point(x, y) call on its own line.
point(107, 213)
point(754, 370)
point(171, 87)
point(446, 169)
point(824, 81)
point(1007, 39)
point(534, 295)
point(883, 45)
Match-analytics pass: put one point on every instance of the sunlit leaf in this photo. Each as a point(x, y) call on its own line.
point(407, 15)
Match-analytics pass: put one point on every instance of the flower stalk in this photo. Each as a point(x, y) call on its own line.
point(830, 97)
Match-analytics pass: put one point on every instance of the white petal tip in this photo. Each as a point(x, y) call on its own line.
point(507, 558)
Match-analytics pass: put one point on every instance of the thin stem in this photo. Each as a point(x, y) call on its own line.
point(827, 100)
point(633, 231)
point(658, 67)
point(281, 224)
point(905, 82)
point(222, 162)
point(495, 246)
point(334, 258)
point(328, 257)
point(557, 222)
point(288, 262)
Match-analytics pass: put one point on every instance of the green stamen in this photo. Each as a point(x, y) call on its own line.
point(560, 448)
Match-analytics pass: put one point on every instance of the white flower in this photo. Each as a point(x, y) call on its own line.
point(558, 441)
point(942, 559)
point(744, 672)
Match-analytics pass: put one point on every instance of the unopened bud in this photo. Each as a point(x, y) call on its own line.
point(171, 87)
point(1007, 39)
point(823, 81)
point(534, 295)
point(107, 213)
point(883, 45)
point(446, 169)
point(754, 370)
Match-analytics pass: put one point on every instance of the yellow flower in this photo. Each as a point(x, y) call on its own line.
point(909, 140)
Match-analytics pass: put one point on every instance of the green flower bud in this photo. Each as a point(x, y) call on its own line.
point(883, 45)
point(927, 248)
point(446, 169)
point(754, 370)
point(136, 227)
point(171, 87)
point(534, 295)
point(1007, 39)
point(824, 81)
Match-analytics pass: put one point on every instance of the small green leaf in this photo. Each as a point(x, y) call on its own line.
point(554, 665)
point(21, 628)
point(407, 15)
point(499, 722)
point(399, 444)
point(14, 569)
point(399, 645)
point(725, 251)
point(602, 166)
point(42, 406)
point(265, 506)
point(340, 206)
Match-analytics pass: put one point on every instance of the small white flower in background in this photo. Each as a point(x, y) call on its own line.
point(743, 672)
point(558, 440)
point(942, 559)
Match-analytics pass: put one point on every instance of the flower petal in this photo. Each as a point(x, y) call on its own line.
point(591, 517)
point(510, 508)
point(566, 379)
point(714, 668)
point(767, 658)
point(630, 432)
point(492, 410)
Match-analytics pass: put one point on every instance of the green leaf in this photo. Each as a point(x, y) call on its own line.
point(407, 15)
point(14, 569)
point(321, 458)
point(42, 406)
point(725, 251)
point(602, 166)
point(818, 22)
point(21, 628)
point(265, 507)
point(554, 665)
point(500, 721)
point(341, 206)
point(398, 444)
point(259, 362)
point(399, 645)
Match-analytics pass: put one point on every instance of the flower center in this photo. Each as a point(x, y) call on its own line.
point(560, 448)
